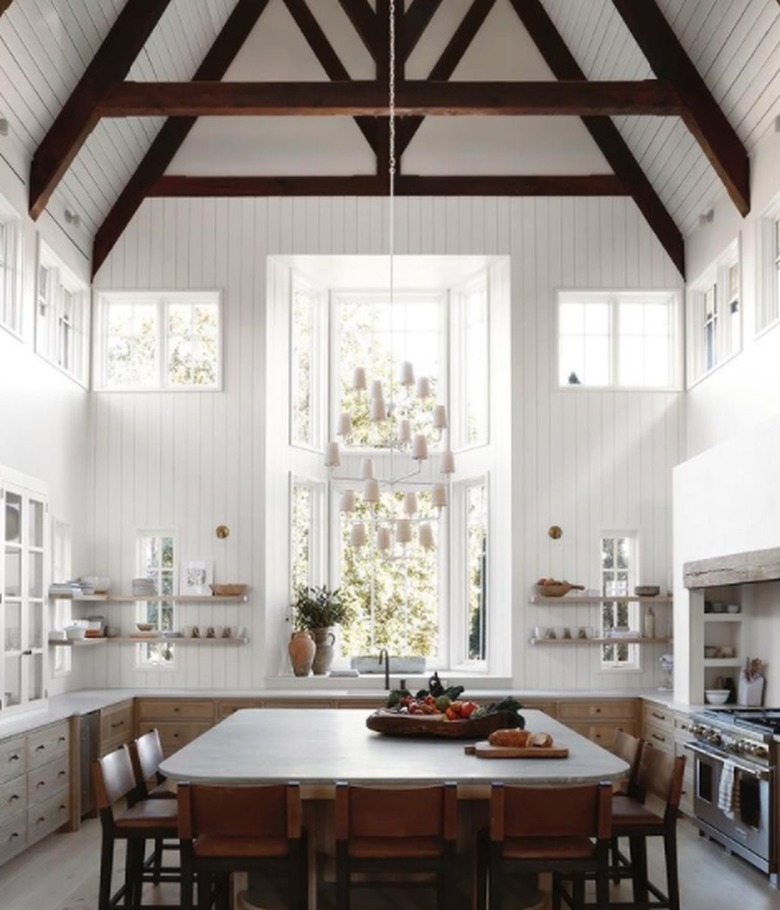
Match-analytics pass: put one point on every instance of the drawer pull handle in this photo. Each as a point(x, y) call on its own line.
point(14, 757)
point(61, 739)
point(41, 783)
point(659, 716)
point(13, 835)
point(63, 774)
point(13, 797)
point(176, 710)
point(661, 739)
point(63, 807)
point(40, 819)
point(40, 748)
point(597, 710)
point(119, 723)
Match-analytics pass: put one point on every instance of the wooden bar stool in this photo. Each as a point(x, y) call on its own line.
point(395, 830)
point(226, 829)
point(146, 754)
point(145, 820)
point(659, 775)
point(546, 829)
point(629, 748)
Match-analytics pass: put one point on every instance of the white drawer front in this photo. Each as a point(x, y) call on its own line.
point(47, 780)
point(13, 758)
point(46, 744)
point(13, 836)
point(13, 798)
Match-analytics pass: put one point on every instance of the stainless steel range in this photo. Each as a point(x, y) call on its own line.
point(735, 769)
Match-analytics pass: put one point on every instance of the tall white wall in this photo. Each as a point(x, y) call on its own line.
point(745, 391)
point(587, 461)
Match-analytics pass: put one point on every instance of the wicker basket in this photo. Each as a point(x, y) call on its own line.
point(228, 590)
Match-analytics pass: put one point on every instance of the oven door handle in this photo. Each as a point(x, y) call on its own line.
point(760, 773)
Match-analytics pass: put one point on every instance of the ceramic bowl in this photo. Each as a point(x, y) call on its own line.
point(75, 633)
point(710, 651)
point(716, 696)
point(144, 626)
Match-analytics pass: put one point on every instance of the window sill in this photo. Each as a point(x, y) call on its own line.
point(375, 682)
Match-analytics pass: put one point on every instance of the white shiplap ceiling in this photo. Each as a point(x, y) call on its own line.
point(45, 45)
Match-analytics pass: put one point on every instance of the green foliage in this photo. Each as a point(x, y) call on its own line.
point(317, 607)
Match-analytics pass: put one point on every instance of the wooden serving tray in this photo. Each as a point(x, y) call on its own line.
point(486, 750)
point(391, 723)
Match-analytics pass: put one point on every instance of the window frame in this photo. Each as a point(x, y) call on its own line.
point(633, 661)
point(614, 298)
point(11, 272)
point(768, 284)
point(71, 359)
point(318, 351)
point(318, 521)
point(457, 333)
point(162, 299)
point(716, 278)
point(143, 650)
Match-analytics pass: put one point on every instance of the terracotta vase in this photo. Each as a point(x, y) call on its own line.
point(301, 649)
point(324, 640)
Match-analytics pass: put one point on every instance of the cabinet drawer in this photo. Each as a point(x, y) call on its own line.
point(116, 726)
point(600, 709)
point(603, 734)
point(549, 707)
point(658, 716)
point(228, 707)
point(13, 836)
point(13, 758)
point(47, 780)
point(175, 709)
point(660, 737)
point(175, 735)
point(362, 703)
point(300, 703)
point(47, 816)
point(13, 798)
point(682, 726)
point(46, 744)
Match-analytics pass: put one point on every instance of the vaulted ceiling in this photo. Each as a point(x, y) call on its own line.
point(111, 101)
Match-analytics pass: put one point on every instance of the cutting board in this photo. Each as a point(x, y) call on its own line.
point(485, 750)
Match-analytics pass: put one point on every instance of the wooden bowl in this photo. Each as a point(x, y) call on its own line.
point(647, 590)
point(391, 723)
point(228, 590)
point(557, 590)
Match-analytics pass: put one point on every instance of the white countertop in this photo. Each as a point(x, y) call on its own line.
point(321, 746)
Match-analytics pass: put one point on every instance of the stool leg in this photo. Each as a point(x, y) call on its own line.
point(106, 870)
point(479, 896)
point(342, 877)
point(557, 885)
point(672, 878)
point(495, 882)
point(134, 867)
point(639, 869)
point(186, 887)
point(602, 876)
point(615, 848)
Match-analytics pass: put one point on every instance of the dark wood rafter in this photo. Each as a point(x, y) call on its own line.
point(79, 115)
point(701, 113)
point(365, 22)
point(377, 185)
point(416, 20)
point(449, 59)
point(4, 4)
point(604, 132)
point(174, 131)
point(327, 57)
point(227, 99)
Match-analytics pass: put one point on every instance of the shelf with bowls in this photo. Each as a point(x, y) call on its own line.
point(580, 599)
point(179, 598)
point(76, 642)
point(176, 639)
point(622, 639)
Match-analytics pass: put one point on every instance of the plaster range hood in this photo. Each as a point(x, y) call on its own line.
point(736, 569)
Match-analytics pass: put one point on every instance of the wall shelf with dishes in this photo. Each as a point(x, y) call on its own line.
point(600, 641)
point(180, 598)
point(581, 599)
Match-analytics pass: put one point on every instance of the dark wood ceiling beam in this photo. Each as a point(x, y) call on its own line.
point(365, 23)
point(174, 131)
point(416, 20)
point(4, 4)
point(449, 59)
point(173, 185)
point(701, 113)
point(604, 132)
point(327, 57)
point(79, 115)
point(215, 99)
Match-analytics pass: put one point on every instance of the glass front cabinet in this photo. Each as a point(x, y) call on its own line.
point(24, 517)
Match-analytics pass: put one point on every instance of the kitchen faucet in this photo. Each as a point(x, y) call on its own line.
point(384, 656)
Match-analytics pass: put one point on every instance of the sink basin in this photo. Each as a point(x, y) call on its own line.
point(398, 664)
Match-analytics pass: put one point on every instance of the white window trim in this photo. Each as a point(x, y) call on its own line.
point(715, 275)
point(13, 262)
point(141, 604)
point(318, 490)
point(456, 327)
point(162, 299)
point(61, 549)
point(767, 280)
point(634, 662)
point(613, 297)
point(319, 364)
point(62, 278)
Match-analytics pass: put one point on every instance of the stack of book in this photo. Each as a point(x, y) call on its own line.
point(143, 587)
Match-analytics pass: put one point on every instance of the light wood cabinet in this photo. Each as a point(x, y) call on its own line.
point(226, 707)
point(116, 726)
point(35, 793)
point(658, 726)
point(599, 719)
point(178, 720)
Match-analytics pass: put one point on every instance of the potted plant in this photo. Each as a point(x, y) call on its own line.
point(317, 609)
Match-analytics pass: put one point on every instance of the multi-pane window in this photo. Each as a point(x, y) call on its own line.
point(61, 571)
point(476, 567)
point(10, 270)
point(768, 284)
point(161, 341)
point(157, 561)
point(618, 567)
point(62, 317)
point(308, 313)
point(714, 316)
point(625, 340)
point(470, 364)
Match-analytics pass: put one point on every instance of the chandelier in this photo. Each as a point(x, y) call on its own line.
point(406, 448)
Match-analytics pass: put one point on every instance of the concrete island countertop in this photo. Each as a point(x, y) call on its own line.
point(82, 701)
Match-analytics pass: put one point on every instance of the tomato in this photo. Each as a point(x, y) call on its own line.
point(468, 708)
point(452, 713)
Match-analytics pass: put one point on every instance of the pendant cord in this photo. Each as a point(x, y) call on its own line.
point(391, 170)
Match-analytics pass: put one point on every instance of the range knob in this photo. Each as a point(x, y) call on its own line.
point(714, 737)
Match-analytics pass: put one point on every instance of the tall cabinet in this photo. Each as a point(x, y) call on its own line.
point(24, 530)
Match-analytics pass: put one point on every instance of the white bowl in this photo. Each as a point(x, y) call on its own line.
point(716, 696)
point(76, 633)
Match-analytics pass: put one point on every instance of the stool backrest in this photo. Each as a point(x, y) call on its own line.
point(146, 752)
point(550, 811)
point(113, 776)
point(400, 812)
point(240, 811)
point(662, 775)
point(629, 748)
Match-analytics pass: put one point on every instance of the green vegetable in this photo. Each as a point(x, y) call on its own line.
point(443, 702)
point(395, 697)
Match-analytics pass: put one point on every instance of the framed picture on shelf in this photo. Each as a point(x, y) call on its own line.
point(196, 577)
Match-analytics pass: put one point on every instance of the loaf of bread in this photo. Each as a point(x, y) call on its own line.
point(509, 737)
point(540, 740)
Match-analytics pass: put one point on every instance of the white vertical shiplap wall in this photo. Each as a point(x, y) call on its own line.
point(587, 461)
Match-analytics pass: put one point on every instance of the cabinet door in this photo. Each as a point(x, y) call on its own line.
point(23, 583)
